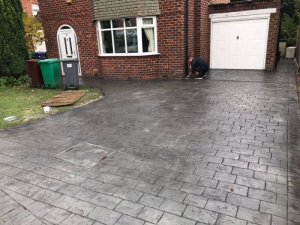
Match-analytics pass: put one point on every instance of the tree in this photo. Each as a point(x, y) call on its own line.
point(289, 29)
point(13, 51)
point(34, 33)
point(290, 21)
point(297, 9)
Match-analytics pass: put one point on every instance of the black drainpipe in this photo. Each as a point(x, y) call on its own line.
point(277, 49)
point(186, 37)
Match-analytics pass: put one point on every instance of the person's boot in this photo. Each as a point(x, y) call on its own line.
point(199, 77)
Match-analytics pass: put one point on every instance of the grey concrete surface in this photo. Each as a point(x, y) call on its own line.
point(224, 150)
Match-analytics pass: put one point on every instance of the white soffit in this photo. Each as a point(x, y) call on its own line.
point(240, 14)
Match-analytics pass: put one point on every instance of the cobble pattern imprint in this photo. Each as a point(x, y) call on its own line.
point(224, 150)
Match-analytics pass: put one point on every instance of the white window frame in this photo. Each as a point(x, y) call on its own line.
point(139, 26)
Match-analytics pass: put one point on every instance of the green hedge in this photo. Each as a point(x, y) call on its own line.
point(290, 21)
point(11, 81)
point(13, 50)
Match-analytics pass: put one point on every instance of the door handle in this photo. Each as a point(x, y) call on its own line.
point(237, 37)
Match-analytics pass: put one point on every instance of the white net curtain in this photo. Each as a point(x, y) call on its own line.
point(149, 32)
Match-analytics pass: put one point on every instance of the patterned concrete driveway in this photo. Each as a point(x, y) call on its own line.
point(225, 150)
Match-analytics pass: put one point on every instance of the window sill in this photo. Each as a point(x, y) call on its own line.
point(129, 55)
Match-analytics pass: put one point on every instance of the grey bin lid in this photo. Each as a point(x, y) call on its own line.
point(69, 60)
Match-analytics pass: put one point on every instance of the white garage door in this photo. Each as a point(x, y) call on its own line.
point(239, 44)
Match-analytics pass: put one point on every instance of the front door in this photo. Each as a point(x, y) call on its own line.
point(67, 43)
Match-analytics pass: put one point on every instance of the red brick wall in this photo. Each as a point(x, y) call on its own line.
point(26, 4)
point(203, 27)
point(253, 5)
point(273, 40)
point(170, 27)
point(55, 13)
point(192, 27)
point(170, 62)
point(204, 31)
point(197, 28)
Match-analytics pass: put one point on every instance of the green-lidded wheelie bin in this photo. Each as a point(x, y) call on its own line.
point(51, 73)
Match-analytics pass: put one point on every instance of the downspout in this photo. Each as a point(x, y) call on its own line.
point(186, 28)
point(279, 33)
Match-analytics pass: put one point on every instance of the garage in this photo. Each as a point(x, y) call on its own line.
point(239, 39)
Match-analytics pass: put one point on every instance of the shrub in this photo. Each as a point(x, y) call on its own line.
point(290, 21)
point(23, 81)
point(289, 30)
point(34, 32)
point(11, 81)
point(2, 82)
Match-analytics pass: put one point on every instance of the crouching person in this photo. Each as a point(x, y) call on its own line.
point(198, 67)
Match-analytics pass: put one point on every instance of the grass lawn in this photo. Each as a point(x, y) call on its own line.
point(25, 103)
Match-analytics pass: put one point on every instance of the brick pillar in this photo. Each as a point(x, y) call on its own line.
point(204, 32)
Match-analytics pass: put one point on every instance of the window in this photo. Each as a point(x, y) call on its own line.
point(35, 9)
point(128, 36)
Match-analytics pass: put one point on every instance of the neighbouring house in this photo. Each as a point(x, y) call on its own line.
point(149, 39)
point(31, 7)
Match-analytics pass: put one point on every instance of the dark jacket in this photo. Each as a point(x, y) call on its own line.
point(199, 65)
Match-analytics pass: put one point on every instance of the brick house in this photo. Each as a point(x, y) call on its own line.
point(30, 6)
point(151, 39)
